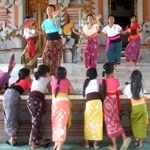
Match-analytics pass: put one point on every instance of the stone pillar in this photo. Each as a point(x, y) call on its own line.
point(148, 10)
point(105, 11)
point(140, 11)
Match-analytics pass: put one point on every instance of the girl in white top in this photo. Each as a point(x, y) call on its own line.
point(92, 45)
point(36, 103)
point(93, 114)
point(139, 115)
point(114, 43)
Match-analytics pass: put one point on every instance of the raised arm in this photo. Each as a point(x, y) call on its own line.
point(98, 17)
point(78, 33)
point(57, 22)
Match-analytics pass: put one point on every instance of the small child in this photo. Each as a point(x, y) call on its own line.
point(93, 114)
point(108, 92)
point(10, 104)
point(139, 115)
point(36, 103)
point(61, 87)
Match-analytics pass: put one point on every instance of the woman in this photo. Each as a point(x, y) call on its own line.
point(109, 95)
point(52, 53)
point(114, 43)
point(92, 45)
point(133, 48)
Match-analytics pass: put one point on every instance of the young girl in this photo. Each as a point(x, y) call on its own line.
point(52, 53)
point(61, 87)
point(29, 55)
point(92, 45)
point(93, 115)
point(133, 48)
point(35, 103)
point(114, 43)
point(10, 104)
point(108, 92)
point(139, 115)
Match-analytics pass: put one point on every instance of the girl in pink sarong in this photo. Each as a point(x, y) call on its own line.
point(133, 48)
point(61, 87)
point(108, 93)
point(92, 45)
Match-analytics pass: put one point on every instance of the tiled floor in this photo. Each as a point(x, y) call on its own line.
point(4, 146)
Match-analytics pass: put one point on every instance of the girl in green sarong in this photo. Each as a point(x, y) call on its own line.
point(139, 116)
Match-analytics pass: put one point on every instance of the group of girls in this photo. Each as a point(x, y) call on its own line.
point(60, 87)
point(113, 44)
point(103, 100)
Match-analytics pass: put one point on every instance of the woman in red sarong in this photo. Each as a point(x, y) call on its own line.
point(108, 93)
point(133, 48)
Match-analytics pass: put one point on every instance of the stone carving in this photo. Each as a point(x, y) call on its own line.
point(82, 22)
point(9, 3)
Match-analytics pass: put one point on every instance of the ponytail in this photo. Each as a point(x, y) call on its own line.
point(86, 82)
point(57, 88)
point(36, 75)
point(103, 86)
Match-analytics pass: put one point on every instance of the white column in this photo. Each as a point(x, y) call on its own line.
point(148, 10)
point(140, 11)
point(105, 12)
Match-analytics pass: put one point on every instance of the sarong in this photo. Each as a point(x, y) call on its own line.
point(132, 50)
point(113, 54)
point(34, 105)
point(91, 52)
point(4, 78)
point(10, 107)
point(93, 119)
point(139, 118)
point(52, 54)
point(111, 117)
point(59, 116)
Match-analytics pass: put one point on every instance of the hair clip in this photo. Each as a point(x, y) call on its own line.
point(87, 77)
point(104, 70)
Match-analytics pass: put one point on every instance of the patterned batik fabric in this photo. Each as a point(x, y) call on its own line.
point(10, 106)
point(113, 54)
point(111, 117)
point(93, 120)
point(29, 61)
point(91, 52)
point(52, 54)
point(133, 49)
point(59, 117)
point(34, 105)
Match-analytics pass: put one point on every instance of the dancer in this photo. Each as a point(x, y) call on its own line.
point(139, 115)
point(61, 87)
point(10, 104)
point(133, 48)
point(92, 45)
point(29, 55)
point(108, 92)
point(52, 53)
point(114, 43)
point(36, 103)
point(93, 114)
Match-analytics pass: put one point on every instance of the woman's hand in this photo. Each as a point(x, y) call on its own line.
point(55, 13)
point(99, 16)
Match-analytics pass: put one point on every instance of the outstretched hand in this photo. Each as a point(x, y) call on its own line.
point(55, 13)
point(99, 16)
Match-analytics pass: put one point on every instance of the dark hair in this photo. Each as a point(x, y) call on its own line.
point(27, 17)
point(61, 73)
point(132, 16)
point(52, 6)
point(111, 15)
point(91, 74)
point(108, 68)
point(23, 73)
point(42, 70)
point(90, 15)
point(136, 84)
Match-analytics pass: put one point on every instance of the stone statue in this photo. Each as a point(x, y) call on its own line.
point(82, 22)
